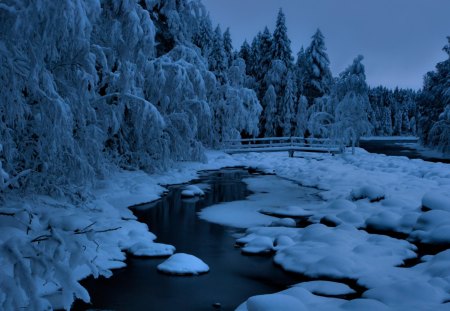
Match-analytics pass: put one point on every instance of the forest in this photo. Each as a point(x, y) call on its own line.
point(90, 87)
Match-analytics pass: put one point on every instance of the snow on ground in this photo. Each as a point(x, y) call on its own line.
point(267, 193)
point(385, 193)
point(183, 264)
point(43, 238)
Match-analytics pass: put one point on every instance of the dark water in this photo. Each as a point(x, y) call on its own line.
point(233, 277)
point(397, 148)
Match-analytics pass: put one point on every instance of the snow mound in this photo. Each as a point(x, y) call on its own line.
point(326, 288)
point(341, 204)
point(192, 191)
point(151, 249)
point(436, 201)
point(283, 241)
point(258, 245)
point(183, 264)
point(284, 222)
point(274, 302)
point(373, 193)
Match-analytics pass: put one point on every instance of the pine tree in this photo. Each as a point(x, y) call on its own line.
point(300, 70)
point(318, 78)
point(217, 57)
point(228, 47)
point(281, 48)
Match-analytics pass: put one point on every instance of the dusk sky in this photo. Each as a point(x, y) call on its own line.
point(400, 39)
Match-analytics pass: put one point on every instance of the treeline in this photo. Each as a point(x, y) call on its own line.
point(300, 97)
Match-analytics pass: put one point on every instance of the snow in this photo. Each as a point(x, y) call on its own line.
point(267, 193)
point(258, 245)
point(436, 201)
point(373, 193)
point(326, 288)
point(274, 302)
point(183, 264)
point(346, 251)
point(192, 191)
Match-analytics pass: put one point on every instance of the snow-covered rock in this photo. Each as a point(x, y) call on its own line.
point(434, 200)
point(258, 245)
point(284, 222)
point(192, 191)
point(183, 264)
point(371, 192)
point(326, 288)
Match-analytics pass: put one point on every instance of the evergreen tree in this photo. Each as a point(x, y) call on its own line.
point(318, 78)
point(228, 47)
point(300, 70)
point(217, 57)
point(435, 96)
point(281, 48)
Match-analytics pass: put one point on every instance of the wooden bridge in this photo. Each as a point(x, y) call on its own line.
point(289, 144)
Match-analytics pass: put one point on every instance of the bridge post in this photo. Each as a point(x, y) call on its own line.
point(291, 153)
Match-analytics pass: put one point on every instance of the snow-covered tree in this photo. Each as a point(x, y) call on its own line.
point(435, 96)
point(301, 117)
point(288, 106)
point(281, 46)
point(228, 47)
point(217, 57)
point(270, 114)
point(318, 78)
point(353, 107)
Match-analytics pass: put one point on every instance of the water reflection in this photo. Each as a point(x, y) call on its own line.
point(232, 279)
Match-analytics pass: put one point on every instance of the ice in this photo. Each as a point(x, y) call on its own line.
point(192, 191)
point(183, 264)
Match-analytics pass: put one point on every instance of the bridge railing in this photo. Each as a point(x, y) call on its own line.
point(283, 143)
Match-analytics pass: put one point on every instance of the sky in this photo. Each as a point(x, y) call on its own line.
point(400, 40)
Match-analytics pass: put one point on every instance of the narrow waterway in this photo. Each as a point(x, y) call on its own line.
point(232, 279)
point(398, 148)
